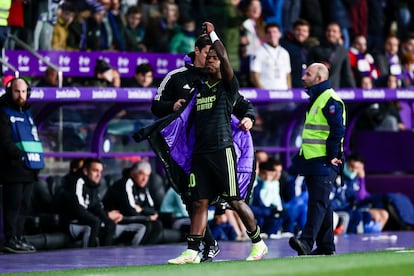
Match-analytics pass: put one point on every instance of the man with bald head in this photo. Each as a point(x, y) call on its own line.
point(320, 160)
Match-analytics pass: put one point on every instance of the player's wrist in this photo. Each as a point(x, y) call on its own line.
point(213, 36)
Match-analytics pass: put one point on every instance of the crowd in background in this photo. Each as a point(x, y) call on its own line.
point(364, 43)
point(370, 40)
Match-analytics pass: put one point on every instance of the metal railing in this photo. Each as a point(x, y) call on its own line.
point(38, 56)
point(11, 67)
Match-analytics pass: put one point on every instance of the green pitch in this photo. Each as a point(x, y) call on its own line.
point(374, 263)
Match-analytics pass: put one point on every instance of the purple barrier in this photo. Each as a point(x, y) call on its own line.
point(253, 94)
point(385, 152)
point(382, 184)
point(81, 64)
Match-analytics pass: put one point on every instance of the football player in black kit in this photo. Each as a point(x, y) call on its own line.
point(213, 167)
point(173, 93)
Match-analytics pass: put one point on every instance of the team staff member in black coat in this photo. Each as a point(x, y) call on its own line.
point(172, 94)
point(21, 158)
point(320, 160)
point(130, 195)
point(81, 201)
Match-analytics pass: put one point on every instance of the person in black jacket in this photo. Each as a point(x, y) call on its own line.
point(131, 196)
point(80, 202)
point(21, 158)
point(333, 55)
point(172, 94)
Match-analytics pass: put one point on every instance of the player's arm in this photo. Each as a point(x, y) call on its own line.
point(227, 70)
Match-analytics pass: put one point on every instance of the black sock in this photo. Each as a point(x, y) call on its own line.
point(208, 237)
point(194, 242)
point(255, 235)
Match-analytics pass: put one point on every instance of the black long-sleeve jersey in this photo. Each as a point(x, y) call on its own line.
point(180, 83)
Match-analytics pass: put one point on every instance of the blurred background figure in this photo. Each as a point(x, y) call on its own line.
point(144, 77)
point(134, 31)
point(183, 41)
point(67, 13)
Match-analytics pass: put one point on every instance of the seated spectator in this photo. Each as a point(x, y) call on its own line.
point(173, 205)
point(365, 82)
point(144, 76)
point(74, 166)
point(104, 75)
point(116, 81)
point(266, 202)
point(80, 203)
point(253, 26)
point(130, 195)
point(407, 62)
point(49, 79)
point(295, 196)
point(223, 225)
point(298, 43)
point(61, 29)
point(385, 115)
point(349, 197)
point(114, 22)
point(134, 30)
point(161, 29)
point(76, 39)
point(183, 41)
point(97, 34)
point(388, 61)
point(362, 63)
point(331, 53)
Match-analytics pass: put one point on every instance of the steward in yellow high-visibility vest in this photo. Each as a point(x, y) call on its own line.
point(323, 131)
point(320, 160)
point(316, 129)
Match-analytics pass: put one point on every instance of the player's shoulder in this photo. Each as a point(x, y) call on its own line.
point(177, 72)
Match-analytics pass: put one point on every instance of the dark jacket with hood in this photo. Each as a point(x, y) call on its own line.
point(335, 56)
point(12, 165)
point(117, 198)
point(80, 198)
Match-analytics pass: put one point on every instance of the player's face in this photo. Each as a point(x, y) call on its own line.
point(212, 62)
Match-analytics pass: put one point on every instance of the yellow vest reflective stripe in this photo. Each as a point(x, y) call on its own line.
point(316, 128)
point(4, 11)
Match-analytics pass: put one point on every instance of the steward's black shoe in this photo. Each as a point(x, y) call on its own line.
point(318, 251)
point(301, 247)
point(209, 252)
point(13, 245)
point(26, 245)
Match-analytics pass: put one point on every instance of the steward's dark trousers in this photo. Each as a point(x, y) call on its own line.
point(319, 220)
point(16, 205)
